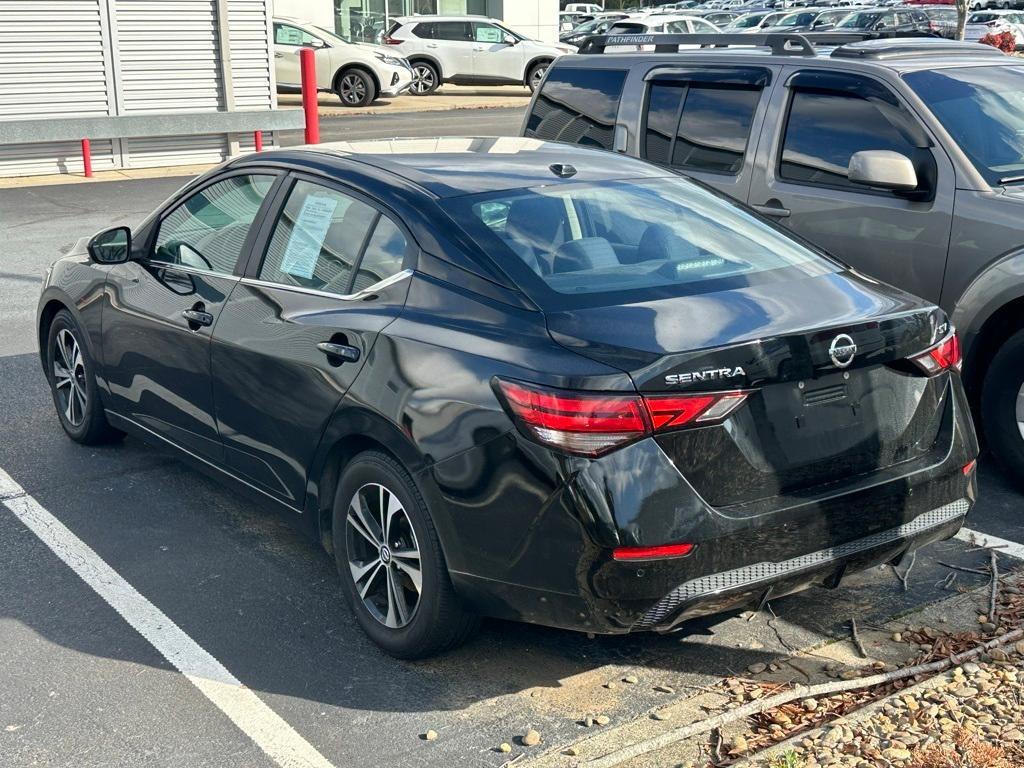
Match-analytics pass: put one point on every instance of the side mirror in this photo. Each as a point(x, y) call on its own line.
point(112, 246)
point(884, 169)
point(509, 40)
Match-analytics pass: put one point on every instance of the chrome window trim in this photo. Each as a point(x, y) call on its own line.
point(191, 270)
point(369, 290)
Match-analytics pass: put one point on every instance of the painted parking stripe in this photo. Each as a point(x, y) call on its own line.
point(1003, 546)
point(245, 709)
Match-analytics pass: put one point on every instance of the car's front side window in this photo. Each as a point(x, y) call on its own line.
point(209, 229)
point(328, 241)
point(825, 130)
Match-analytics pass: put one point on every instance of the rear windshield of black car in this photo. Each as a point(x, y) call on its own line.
point(579, 244)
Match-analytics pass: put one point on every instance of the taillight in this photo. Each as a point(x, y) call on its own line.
point(392, 41)
point(591, 423)
point(942, 357)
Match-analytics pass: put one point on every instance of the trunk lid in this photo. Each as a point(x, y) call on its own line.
point(833, 395)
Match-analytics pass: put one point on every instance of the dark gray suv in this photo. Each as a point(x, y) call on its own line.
point(905, 158)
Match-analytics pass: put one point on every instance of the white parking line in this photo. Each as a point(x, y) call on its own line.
point(979, 539)
point(245, 709)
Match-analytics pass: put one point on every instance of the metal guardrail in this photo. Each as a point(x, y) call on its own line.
point(142, 126)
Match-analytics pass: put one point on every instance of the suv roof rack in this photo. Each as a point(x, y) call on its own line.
point(780, 43)
point(910, 48)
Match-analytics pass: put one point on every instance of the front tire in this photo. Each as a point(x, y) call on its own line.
point(355, 88)
point(536, 74)
point(389, 558)
point(1002, 407)
point(71, 372)
point(425, 79)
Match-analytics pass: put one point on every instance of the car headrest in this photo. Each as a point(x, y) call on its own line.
point(660, 243)
point(585, 253)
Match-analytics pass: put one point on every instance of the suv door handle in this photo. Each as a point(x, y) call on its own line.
point(775, 210)
point(431, 45)
point(197, 318)
point(343, 352)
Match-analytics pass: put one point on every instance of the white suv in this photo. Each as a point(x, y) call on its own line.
point(357, 73)
point(469, 50)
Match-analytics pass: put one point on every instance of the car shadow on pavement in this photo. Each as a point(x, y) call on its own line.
point(265, 601)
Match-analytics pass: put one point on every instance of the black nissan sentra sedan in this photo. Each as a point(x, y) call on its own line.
point(519, 379)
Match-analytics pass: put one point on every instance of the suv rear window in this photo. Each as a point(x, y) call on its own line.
point(577, 106)
point(583, 244)
point(699, 126)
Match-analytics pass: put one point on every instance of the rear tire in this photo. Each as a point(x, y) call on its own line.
point(1002, 407)
point(425, 78)
point(71, 372)
point(355, 88)
point(389, 558)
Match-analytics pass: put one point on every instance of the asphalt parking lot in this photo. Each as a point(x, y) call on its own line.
point(80, 686)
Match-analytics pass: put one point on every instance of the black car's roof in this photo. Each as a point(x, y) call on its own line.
point(449, 167)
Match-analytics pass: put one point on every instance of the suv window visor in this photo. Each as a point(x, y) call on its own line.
point(869, 89)
point(752, 76)
point(982, 108)
point(582, 244)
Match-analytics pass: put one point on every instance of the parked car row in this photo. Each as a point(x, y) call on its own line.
point(888, 154)
point(417, 55)
point(888, 17)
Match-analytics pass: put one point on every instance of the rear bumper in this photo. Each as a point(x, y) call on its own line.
point(753, 584)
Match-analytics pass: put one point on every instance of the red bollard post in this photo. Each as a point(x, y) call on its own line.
point(87, 158)
point(258, 140)
point(307, 64)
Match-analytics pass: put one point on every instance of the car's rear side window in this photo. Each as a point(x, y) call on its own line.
point(578, 106)
point(317, 239)
point(444, 30)
point(699, 126)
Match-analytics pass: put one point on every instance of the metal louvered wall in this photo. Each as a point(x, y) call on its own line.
point(64, 58)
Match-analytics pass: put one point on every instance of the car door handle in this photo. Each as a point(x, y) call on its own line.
point(198, 317)
point(772, 210)
point(342, 352)
point(431, 45)
point(278, 55)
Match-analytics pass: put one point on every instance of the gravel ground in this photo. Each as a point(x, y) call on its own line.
point(971, 718)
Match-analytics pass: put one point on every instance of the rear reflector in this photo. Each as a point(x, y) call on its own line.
point(651, 553)
point(592, 423)
point(942, 357)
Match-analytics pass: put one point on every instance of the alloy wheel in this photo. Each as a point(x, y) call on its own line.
point(538, 75)
point(1020, 411)
point(383, 555)
point(422, 78)
point(353, 89)
point(69, 377)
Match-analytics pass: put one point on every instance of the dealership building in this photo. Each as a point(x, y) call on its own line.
point(367, 20)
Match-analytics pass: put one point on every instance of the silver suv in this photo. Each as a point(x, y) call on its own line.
point(904, 158)
point(469, 50)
